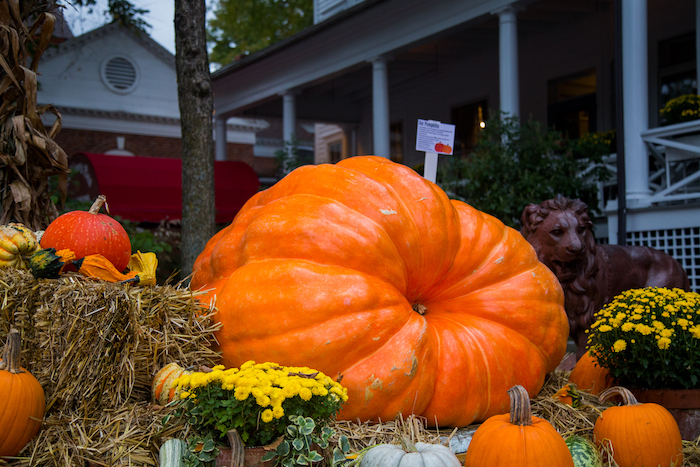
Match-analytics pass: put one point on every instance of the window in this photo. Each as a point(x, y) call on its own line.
point(396, 141)
point(335, 151)
point(119, 74)
point(571, 104)
point(677, 75)
point(468, 120)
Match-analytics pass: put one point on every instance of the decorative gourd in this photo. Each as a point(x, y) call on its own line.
point(420, 455)
point(22, 400)
point(49, 263)
point(144, 265)
point(88, 233)
point(583, 452)
point(589, 376)
point(638, 434)
point(517, 438)
point(164, 389)
point(569, 395)
point(366, 270)
point(99, 267)
point(171, 453)
point(16, 242)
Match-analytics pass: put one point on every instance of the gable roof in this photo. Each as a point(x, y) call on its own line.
point(140, 36)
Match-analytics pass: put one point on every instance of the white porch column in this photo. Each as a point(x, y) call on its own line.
point(380, 108)
point(697, 40)
point(508, 61)
point(635, 98)
point(220, 139)
point(289, 118)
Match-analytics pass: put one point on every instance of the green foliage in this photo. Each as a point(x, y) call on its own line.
point(514, 165)
point(201, 451)
point(300, 441)
point(650, 338)
point(291, 158)
point(241, 27)
point(681, 109)
point(122, 11)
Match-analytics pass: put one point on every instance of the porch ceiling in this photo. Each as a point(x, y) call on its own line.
point(328, 67)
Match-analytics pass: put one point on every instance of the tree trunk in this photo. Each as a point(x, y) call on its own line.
point(196, 108)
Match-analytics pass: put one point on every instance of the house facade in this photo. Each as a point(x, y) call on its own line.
point(372, 68)
point(116, 90)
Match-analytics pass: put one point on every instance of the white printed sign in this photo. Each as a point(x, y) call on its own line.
point(433, 136)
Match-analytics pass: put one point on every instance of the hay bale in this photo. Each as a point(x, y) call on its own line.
point(95, 347)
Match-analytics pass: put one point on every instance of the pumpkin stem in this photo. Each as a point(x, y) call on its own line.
point(420, 308)
point(520, 413)
point(627, 396)
point(95, 208)
point(11, 353)
point(237, 452)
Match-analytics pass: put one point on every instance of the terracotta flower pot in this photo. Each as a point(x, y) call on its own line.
point(684, 405)
point(252, 457)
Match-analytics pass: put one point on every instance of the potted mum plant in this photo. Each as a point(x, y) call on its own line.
point(649, 339)
point(681, 109)
point(285, 409)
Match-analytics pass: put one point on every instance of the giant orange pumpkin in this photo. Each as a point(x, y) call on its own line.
point(367, 271)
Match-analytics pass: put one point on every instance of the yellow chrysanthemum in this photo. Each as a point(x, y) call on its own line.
point(619, 345)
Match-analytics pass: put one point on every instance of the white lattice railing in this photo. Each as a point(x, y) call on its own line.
point(675, 163)
point(676, 152)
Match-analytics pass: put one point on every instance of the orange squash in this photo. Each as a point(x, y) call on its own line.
point(638, 434)
point(367, 271)
point(518, 438)
point(569, 395)
point(588, 376)
point(22, 400)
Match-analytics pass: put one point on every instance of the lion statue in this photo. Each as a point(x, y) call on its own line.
point(591, 275)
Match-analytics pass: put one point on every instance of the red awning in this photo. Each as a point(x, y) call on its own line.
point(149, 189)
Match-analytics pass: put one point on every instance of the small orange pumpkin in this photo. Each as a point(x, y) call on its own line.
point(589, 376)
point(164, 388)
point(22, 400)
point(89, 233)
point(518, 438)
point(638, 434)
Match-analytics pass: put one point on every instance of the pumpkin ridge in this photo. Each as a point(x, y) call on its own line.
point(424, 286)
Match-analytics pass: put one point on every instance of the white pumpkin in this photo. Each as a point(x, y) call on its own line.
point(425, 455)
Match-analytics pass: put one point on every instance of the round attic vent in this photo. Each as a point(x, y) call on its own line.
point(120, 74)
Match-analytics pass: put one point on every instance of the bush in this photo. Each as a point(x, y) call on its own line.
point(514, 165)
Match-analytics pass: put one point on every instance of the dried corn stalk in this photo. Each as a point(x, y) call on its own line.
point(28, 153)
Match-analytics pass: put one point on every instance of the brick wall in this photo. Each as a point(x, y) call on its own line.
point(99, 142)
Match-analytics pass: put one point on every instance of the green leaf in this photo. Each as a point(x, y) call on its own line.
point(283, 448)
point(344, 444)
point(302, 460)
point(315, 457)
point(298, 444)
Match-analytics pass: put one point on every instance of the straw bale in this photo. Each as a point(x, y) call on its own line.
point(95, 348)
point(94, 345)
